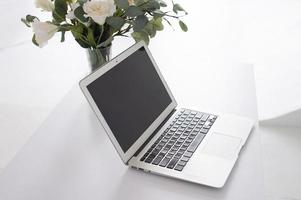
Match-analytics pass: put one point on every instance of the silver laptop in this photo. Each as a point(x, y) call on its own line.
point(141, 117)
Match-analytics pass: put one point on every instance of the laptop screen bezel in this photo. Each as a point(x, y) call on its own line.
point(125, 156)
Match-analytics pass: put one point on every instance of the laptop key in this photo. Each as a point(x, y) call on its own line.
point(185, 134)
point(144, 156)
point(204, 117)
point(169, 155)
point(201, 122)
point(181, 152)
point(164, 140)
point(191, 137)
point(181, 129)
point(198, 115)
point(178, 155)
point(193, 123)
point(212, 118)
point(197, 130)
point(173, 130)
point(172, 152)
point(177, 145)
point(180, 141)
point(149, 160)
point(183, 149)
point(185, 159)
point(157, 160)
point(188, 154)
point(161, 154)
point(204, 130)
point(164, 162)
point(154, 152)
point(181, 162)
point(185, 145)
point(167, 137)
point(179, 167)
point(172, 163)
point(194, 145)
point(164, 151)
point(186, 112)
point(199, 126)
point(189, 140)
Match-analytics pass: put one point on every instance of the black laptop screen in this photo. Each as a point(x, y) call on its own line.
point(130, 96)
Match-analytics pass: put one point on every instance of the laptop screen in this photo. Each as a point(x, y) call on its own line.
point(130, 97)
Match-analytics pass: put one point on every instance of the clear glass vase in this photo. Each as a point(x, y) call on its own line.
point(98, 57)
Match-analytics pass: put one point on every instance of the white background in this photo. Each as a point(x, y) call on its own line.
point(266, 33)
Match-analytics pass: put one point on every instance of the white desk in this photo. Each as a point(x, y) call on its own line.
point(70, 156)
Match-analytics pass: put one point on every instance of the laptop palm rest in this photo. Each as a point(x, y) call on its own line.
point(223, 146)
point(215, 160)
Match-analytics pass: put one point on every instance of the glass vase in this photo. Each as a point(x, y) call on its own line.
point(98, 57)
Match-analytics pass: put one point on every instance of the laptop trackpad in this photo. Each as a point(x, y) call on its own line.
point(222, 145)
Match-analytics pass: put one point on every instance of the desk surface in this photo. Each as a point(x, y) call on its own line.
point(70, 156)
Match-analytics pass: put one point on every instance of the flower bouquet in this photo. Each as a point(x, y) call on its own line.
point(95, 23)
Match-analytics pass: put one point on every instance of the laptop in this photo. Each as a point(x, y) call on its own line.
point(151, 132)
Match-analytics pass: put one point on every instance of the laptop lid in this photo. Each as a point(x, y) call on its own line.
point(130, 98)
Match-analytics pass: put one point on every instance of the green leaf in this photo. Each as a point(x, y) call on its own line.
point(168, 22)
point(30, 18)
point(140, 2)
point(63, 36)
point(60, 10)
point(158, 13)
point(81, 2)
point(99, 30)
point(140, 23)
point(82, 43)
point(79, 14)
point(115, 22)
point(124, 4)
point(177, 7)
point(34, 40)
point(25, 22)
point(138, 36)
point(106, 43)
point(77, 31)
point(158, 25)
point(90, 37)
point(151, 5)
point(162, 3)
point(133, 11)
point(183, 26)
point(149, 28)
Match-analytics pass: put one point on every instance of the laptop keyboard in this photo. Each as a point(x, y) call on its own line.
point(178, 142)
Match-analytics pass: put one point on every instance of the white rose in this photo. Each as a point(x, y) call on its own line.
point(43, 31)
point(46, 5)
point(99, 10)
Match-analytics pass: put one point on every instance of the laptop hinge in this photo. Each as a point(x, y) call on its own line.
point(154, 133)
